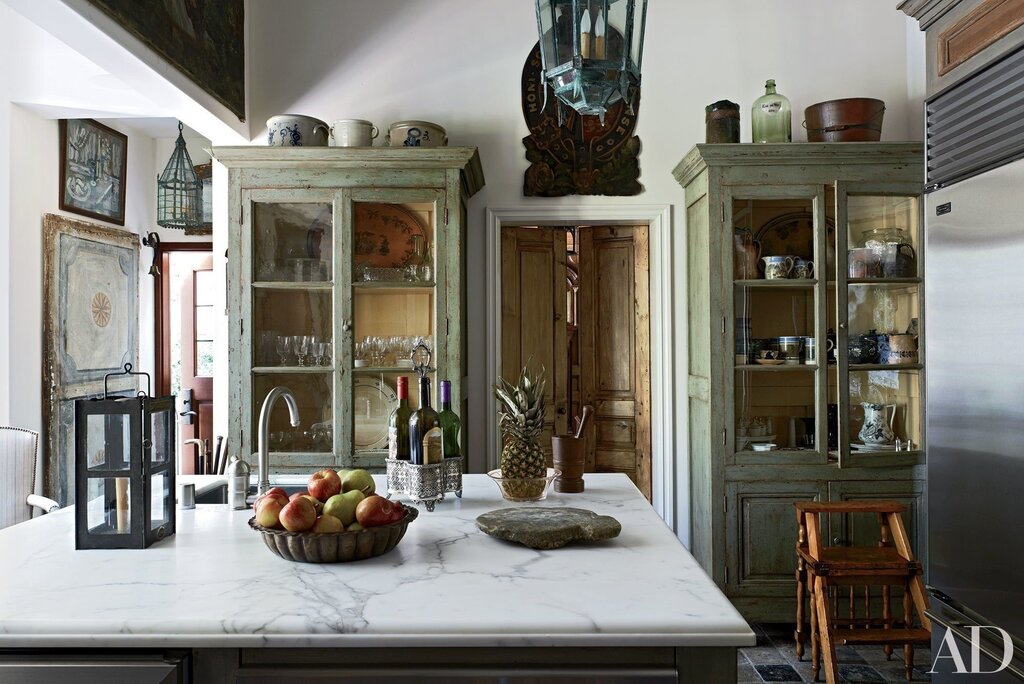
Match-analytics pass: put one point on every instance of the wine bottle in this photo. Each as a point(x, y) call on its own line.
point(398, 423)
point(771, 120)
point(425, 430)
point(450, 423)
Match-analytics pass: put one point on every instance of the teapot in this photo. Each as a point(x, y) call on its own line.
point(746, 253)
point(876, 429)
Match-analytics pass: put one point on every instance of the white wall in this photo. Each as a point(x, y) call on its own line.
point(34, 192)
point(459, 63)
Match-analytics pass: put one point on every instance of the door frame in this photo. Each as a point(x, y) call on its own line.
point(162, 310)
point(668, 483)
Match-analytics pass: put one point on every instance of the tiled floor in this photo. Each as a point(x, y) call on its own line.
point(774, 660)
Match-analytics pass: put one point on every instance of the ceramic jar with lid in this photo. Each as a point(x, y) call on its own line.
point(722, 122)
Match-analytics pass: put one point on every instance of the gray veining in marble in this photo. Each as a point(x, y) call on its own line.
point(215, 584)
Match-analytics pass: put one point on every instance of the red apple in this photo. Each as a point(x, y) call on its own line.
point(327, 523)
point(268, 512)
point(299, 515)
point(316, 502)
point(279, 493)
point(323, 484)
point(397, 511)
point(375, 510)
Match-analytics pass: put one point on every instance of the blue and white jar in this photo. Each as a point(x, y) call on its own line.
point(415, 134)
point(296, 130)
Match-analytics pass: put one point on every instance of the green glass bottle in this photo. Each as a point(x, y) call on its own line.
point(771, 119)
point(398, 423)
point(425, 430)
point(450, 423)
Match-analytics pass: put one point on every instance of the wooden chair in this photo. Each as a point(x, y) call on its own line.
point(21, 476)
point(824, 571)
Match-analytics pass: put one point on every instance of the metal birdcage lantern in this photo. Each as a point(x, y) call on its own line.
point(591, 51)
point(124, 469)
point(179, 192)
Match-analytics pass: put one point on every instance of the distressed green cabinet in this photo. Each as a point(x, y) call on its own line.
point(340, 260)
point(800, 385)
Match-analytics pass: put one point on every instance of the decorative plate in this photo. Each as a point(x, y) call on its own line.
point(372, 404)
point(384, 235)
point(792, 235)
point(770, 362)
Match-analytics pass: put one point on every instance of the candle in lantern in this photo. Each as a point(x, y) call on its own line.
point(585, 27)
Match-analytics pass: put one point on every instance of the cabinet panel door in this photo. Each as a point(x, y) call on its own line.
point(862, 529)
point(761, 537)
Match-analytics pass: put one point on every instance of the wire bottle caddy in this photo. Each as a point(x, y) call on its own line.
point(426, 484)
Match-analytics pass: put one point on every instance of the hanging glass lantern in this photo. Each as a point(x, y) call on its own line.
point(591, 51)
point(179, 192)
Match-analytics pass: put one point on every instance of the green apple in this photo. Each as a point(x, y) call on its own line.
point(343, 506)
point(358, 479)
point(354, 527)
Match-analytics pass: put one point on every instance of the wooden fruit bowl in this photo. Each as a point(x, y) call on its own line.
point(336, 547)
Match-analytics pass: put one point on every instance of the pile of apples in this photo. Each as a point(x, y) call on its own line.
point(337, 501)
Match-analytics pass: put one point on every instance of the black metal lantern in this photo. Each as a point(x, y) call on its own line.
point(124, 469)
point(591, 51)
point(179, 192)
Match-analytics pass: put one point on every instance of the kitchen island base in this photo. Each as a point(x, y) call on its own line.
point(647, 665)
point(479, 665)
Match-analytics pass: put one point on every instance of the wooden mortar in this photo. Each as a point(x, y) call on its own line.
point(570, 457)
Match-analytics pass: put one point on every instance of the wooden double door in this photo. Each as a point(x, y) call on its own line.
point(584, 318)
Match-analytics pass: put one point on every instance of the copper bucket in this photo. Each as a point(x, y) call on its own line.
point(855, 119)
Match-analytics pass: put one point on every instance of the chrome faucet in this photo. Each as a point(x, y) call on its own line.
point(279, 392)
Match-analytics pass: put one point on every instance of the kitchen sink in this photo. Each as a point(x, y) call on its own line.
point(219, 495)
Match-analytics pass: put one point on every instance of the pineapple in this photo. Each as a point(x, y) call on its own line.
point(521, 423)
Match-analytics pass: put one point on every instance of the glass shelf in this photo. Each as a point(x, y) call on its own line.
point(393, 285)
point(802, 283)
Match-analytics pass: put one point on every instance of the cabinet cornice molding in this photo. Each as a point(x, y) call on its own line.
point(467, 159)
point(927, 12)
point(703, 156)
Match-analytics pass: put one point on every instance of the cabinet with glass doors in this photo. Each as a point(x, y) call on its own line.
point(805, 355)
point(341, 261)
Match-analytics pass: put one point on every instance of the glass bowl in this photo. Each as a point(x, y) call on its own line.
point(524, 488)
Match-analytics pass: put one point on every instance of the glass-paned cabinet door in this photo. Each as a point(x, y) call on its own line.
point(879, 384)
point(777, 327)
point(292, 320)
point(397, 292)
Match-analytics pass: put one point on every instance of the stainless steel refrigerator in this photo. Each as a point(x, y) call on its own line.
point(974, 304)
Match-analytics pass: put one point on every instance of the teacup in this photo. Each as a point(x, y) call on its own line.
point(296, 130)
point(353, 133)
point(803, 269)
point(777, 267)
point(415, 134)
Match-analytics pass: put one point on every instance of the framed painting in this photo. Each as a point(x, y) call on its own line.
point(93, 165)
point(90, 329)
point(203, 39)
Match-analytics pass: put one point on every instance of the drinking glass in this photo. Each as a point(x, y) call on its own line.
point(284, 348)
point(323, 354)
point(301, 345)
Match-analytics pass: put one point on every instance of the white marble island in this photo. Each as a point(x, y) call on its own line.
point(215, 591)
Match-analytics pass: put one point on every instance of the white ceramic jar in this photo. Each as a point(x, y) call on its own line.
point(296, 130)
point(353, 133)
point(415, 134)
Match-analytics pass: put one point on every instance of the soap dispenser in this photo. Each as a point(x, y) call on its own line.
point(238, 472)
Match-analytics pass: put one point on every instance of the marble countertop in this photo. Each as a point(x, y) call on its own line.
point(215, 584)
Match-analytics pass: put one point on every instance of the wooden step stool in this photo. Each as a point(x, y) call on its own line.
point(823, 570)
